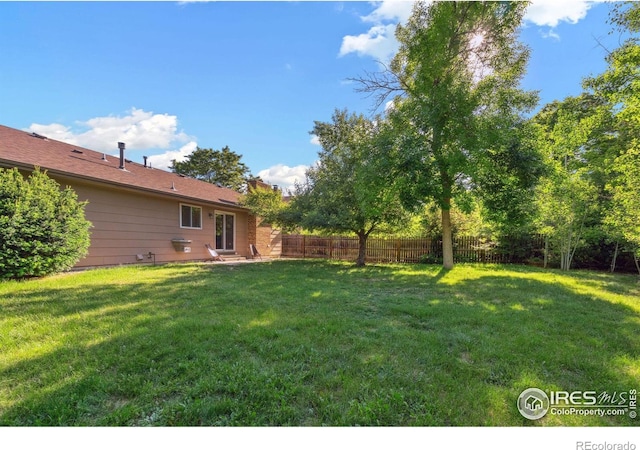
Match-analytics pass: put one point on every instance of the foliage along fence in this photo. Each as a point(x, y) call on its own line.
point(413, 250)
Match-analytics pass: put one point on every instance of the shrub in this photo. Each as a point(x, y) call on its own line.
point(430, 258)
point(43, 229)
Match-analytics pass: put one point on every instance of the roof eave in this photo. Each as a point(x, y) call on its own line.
point(168, 193)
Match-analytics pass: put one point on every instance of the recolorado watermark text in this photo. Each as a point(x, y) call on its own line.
point(588, 445)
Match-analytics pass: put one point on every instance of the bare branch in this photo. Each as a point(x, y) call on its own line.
point(601, 45)
point(380, 86)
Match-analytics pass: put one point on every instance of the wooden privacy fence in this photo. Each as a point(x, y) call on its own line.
point(410, 250)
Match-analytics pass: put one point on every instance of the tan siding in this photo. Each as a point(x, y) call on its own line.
point(126, 223)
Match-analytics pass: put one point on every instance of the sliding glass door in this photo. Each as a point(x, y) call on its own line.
point(225, 231)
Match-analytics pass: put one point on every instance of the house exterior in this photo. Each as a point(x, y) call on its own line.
point(141, 214)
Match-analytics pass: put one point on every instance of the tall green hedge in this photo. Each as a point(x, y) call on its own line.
point(43, 229)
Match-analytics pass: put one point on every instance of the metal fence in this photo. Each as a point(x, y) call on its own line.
point(412, 250)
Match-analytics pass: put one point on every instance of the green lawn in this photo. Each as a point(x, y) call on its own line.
point(312, 343)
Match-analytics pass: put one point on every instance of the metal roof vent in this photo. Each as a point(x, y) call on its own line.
point(121, 148)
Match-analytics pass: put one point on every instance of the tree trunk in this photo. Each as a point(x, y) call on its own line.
point(546, 250)
point(635, 259)
point(615, 256)
point(362, 248)
point(447, 239)
point(573, 240)
point(566, 252)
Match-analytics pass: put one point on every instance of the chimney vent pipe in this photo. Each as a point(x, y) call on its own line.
point(121, 147)
point(145, 160)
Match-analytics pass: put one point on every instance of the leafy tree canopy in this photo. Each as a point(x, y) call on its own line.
point(619, 85)
point(348, 190)
point(222, 167)
point(270, 206)
point(457, 109)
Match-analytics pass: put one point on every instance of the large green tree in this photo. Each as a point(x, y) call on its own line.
point(346, 191)
point(574, 138)
point(624, 215)
point(222, 167)
point(456, 106)
point(619, 85)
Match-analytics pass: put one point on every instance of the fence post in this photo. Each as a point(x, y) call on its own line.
point(304, 247)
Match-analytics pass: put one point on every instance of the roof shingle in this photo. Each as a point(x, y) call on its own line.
point(23, 149)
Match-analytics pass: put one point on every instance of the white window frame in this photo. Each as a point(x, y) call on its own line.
point(224, 230)
point(192, 207)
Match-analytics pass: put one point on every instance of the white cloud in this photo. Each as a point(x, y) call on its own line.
point(315, 140)
point(139, 130)
point(54, 131)
point(164, 160)
point(389, 106)
point(551, 12)
point(550, 33)
point(380, 42)
point(284, 176)
point(393, 10)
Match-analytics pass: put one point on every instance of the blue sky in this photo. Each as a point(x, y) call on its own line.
point(164, 77)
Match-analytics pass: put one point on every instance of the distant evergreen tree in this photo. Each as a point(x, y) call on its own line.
point(214, 166)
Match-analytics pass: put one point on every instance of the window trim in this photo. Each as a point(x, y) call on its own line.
point(192, 207)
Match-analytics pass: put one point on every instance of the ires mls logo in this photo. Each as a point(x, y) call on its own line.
point(534, 404)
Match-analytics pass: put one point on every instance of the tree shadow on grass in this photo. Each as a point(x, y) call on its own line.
point(131, 354)
point(377, 346)
point(508, 334)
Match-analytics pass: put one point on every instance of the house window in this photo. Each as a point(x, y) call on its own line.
point(190, 216)
point(225, 231)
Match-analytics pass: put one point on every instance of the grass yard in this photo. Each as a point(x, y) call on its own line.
point(312, 343)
